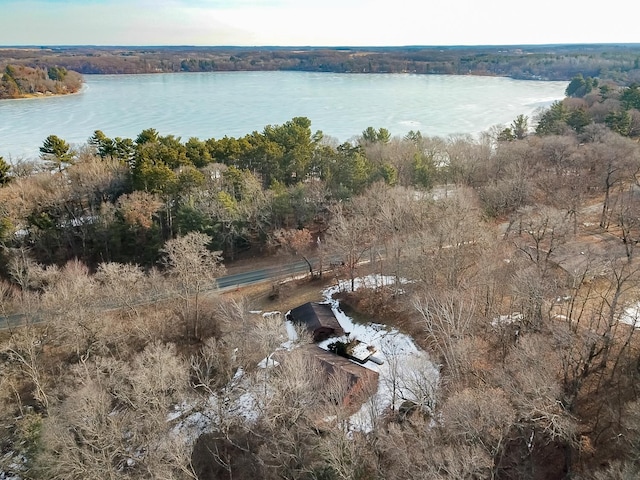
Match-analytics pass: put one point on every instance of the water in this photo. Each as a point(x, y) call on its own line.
point(207, 105)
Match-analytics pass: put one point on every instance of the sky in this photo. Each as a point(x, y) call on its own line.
point(308, 22)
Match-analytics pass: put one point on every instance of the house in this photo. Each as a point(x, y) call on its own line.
point(319, 320)
point(354, 383)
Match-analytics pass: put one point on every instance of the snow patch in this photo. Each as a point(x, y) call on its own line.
point(406, 374)
point(514, 317)
point(631, 315)
point(268, 362)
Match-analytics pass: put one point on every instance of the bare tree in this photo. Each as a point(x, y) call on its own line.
point(291, 416)
point(7, 297)
point(420, 383)
point(297, 242)
point(121, 283)
point(415, 450)
point(613, 160)
point(480, 417)
point(351, 236)
point(448, 320)
point(113, 421)
point(25, 352)
point(399, 213)
point(270, 333)
point(627, 210)
point(26, 273)
point(465, 159)
point(529, 378)
point(539, 233)
point(194, 268)
point(347, 458)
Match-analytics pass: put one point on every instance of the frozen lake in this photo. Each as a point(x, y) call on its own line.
point(212, 105)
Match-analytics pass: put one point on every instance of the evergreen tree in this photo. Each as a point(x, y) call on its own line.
point(630, 97)
point(520, 126)
point(105, 147)
point(371, 135)
point(578, 119)
point(579, 86)
point(4, 172)
point(553, 120)
point(56, 151)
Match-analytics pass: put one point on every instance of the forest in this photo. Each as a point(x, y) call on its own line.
point(614, 62)
point(513, 266)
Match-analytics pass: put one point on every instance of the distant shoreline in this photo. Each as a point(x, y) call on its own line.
point(519, 62)
point(34, 96)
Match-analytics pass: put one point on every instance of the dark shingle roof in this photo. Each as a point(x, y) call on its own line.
point(316, 316)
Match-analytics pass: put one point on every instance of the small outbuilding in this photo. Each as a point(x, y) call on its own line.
point(319, 320)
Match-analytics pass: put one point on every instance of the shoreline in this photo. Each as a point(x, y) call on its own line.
point(33, 96)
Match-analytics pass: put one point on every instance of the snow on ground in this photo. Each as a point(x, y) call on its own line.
point(239, 400)
point(631, 315)
point(406, 373)
point(16, 463)
point(514, 317)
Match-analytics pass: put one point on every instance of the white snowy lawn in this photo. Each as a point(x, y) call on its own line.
point(406, 374)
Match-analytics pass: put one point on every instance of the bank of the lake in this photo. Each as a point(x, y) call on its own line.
point(207, 105)
point(32, 96)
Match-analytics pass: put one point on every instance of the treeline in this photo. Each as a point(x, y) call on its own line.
point(618, 63)
point(120, 199)
point(589, 102)
point(20, 81)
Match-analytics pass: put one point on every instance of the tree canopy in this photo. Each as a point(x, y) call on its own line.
point(4, 171)
point(56, 151)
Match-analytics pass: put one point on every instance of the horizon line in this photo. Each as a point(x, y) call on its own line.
point(492, 45)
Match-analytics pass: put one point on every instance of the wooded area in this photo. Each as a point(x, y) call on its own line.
point(616, 62)
point(516, 268)
point(19, 81)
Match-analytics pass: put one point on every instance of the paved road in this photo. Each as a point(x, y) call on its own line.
point(264, 274)
point(13, 320)
point(225, 283)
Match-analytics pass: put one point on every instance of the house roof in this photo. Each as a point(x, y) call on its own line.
point(316, 316)
point(343, 382)
point(334, 363)
point(361, 381)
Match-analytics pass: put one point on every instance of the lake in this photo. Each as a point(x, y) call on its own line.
point(207, 105)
